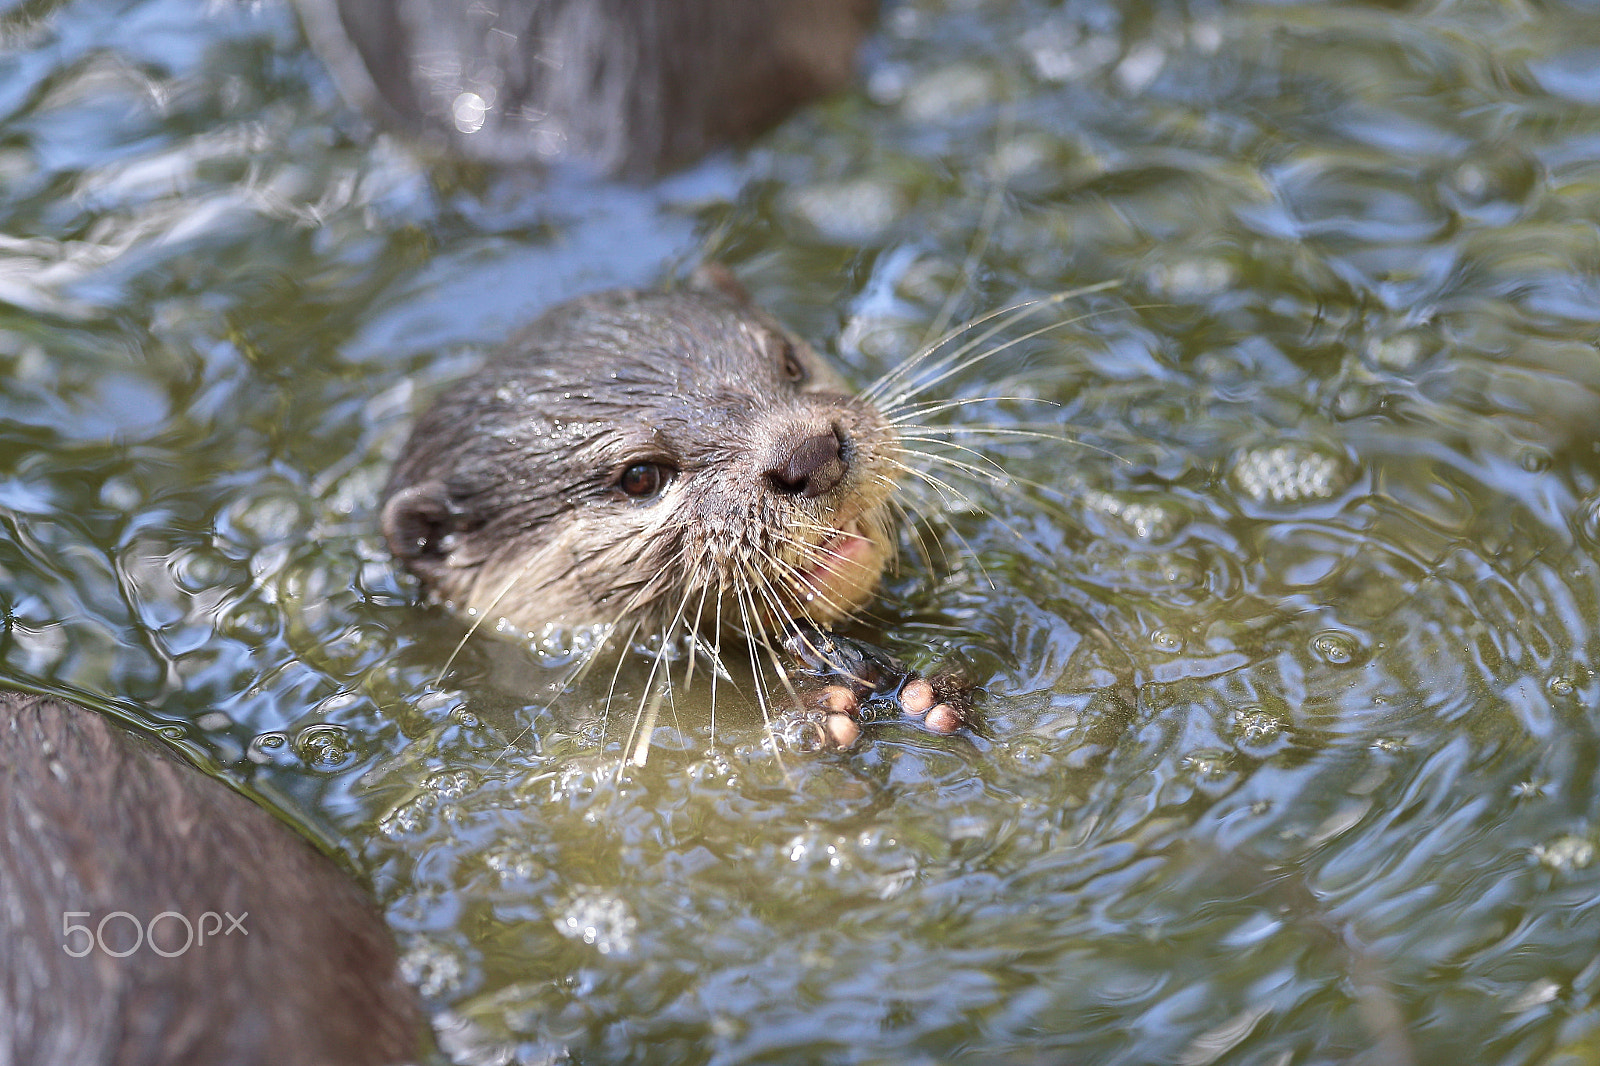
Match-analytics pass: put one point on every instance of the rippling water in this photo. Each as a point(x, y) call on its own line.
point(1290, 730)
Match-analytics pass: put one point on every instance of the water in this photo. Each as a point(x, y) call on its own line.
point(1290, 732)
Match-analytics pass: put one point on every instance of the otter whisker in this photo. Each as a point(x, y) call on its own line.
point(986, 429)
point(947, 492)
point(914, 413)
point(718, 664)
point(766, 585)
point(574, 674)
point(1052, 430)
point(997, 477)
point(1002, 319)
point(913, 532)
point(993, 203)
point(644, 724)
point(964, 358)
point(901, 373)
point(985, 467)
point(799, 582)
point(812, 550)
point(649, 707)
point(970, 355)
point(744, 598)
point(788, 686)
point(1004, 480)
point(1009, 482)
point(616, 674)
point(966, 546)
point(483, 616)
point(695, 645)
point(644, 721)
point(645, 590)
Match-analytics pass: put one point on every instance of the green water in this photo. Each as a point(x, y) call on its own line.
point(1290, 735)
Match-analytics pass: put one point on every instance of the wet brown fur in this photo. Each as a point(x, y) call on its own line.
point(92, 819)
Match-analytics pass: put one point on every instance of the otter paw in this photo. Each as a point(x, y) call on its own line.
point(825, 715)
point(944, 704)
point(845, 682)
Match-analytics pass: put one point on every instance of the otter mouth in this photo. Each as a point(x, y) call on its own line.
point(842, 572)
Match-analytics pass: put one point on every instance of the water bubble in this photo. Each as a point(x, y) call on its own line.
point(452, 784)
point(1404, 351)
point(951, 91)
point(1255, 727)
point(1192, 278)
point(604, 921)
point(324, 747)
point(1291, 473)
point(1169, 641)
point(514, 865)
point(1207, 764)
point(409, 818)
point(802, 735)
point(1335, 648)
point(1565, 853)
point(848, 212)
point(558, 645)
point(1589, 519)
point(1031, 756)
point(1149, 519)
point(265, 747)
point(469, 111)
point(432, 970)
point(713, 768)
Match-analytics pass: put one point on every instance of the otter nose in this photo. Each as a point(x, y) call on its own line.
point(812, 467)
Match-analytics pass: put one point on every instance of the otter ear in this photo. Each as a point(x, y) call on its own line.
point(712, 276)
point(417, 520)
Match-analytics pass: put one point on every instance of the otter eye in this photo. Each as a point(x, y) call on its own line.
point(643, 481)
point(793, 370)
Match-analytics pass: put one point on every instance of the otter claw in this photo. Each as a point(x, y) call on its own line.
point(849, 682)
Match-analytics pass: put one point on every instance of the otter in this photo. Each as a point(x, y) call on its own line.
point(148, 915)
point(628, 86)
point(665, 462)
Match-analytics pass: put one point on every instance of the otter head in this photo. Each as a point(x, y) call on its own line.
point(671, 459)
